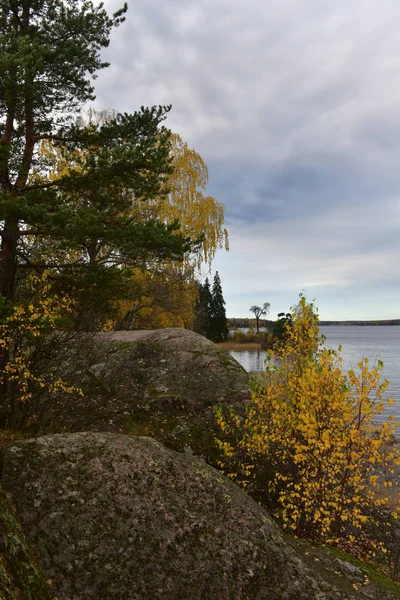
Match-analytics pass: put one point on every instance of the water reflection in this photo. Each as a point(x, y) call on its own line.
point(251, 360)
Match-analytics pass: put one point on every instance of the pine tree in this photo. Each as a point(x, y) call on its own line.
point(50, 51)
point(219, 322)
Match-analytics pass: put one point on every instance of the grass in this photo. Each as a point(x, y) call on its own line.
point(239, 340)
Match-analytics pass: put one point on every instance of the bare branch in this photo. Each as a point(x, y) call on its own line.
point(41, 186)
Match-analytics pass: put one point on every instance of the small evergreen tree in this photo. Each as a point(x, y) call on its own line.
point(202, 322)
point(219, 323)
point(211, 318)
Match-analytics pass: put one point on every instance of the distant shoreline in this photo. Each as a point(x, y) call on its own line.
point(237, 322)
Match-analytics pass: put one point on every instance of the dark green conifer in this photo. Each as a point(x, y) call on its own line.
point(219, 322)
point(202, 322)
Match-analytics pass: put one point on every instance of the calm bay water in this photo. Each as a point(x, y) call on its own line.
point(382, 342)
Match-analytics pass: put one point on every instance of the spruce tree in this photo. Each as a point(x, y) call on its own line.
point(219, 322)
point(203, 324)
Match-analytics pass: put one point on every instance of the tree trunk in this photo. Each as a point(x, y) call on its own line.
point(8, 267)
point(8, 258)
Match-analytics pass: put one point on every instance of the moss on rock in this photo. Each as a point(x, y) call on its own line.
point(20, 575)
point(161, 383)
point(369, 581)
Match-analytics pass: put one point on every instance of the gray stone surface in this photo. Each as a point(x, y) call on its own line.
point(161, 383)
point(118, 517)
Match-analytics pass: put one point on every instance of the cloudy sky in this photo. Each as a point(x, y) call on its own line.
point(295, 107)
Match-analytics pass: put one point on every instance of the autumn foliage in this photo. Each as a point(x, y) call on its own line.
point(165, 297)
point(155, 291)
point(21, 331)
point(309, 444)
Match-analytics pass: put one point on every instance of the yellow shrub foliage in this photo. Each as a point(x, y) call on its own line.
point(315, 427)
point(19, 333)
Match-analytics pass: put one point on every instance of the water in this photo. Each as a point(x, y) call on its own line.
point(251, 360)
point(372, 342)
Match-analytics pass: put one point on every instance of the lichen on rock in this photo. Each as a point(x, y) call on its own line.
point(20, 575)
point(116, 516)
point(162, 384)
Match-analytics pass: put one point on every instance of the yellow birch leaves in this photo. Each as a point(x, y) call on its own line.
point(198, 214)
point(19, 333)
point(309, 443)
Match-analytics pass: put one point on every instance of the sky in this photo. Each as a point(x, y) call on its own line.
point(294, 105)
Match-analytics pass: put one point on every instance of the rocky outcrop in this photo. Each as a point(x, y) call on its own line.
point(162, 384)
point(20, 575)
point(115, 516)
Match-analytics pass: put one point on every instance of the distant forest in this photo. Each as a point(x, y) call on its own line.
point(238, 323)
point(344, 323)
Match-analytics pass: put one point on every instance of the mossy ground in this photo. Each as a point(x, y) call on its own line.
point(365, 578)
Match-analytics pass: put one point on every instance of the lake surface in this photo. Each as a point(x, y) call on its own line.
point(372, 342)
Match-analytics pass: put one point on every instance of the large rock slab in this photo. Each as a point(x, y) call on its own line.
point(162, 384)
point(115, 516)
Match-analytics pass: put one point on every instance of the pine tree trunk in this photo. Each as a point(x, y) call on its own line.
point(8, 268)
point(8, 258)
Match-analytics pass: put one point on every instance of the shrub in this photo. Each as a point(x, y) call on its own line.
point(23, 327)
point(309, 445)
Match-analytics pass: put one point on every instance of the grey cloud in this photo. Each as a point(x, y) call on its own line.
point(295, 107)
